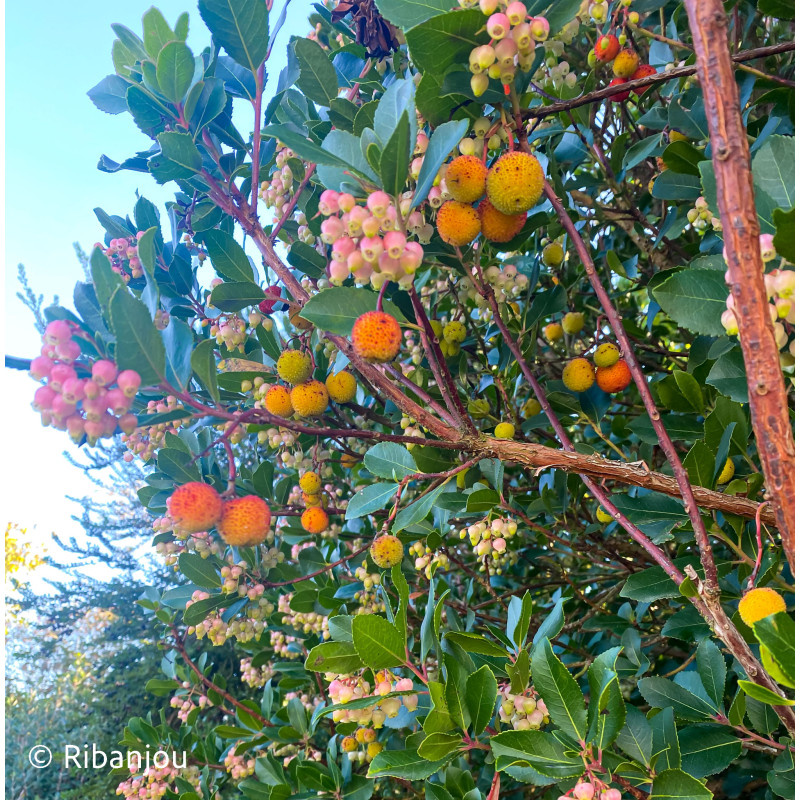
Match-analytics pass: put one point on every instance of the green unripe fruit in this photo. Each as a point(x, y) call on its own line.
point(553, 255)
point(455, 332)
point(504, 430)
point(478, 408)
point(727, 471)
point(572, 322)
point(606, 355)
point(531, 408)
point(495, 141)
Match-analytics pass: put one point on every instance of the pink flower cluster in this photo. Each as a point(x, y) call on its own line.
point(80, 397)
point(591, 791)
point(344, 688)
point(144, 442)
point(240, 767)
point(123, 253)
point(367, 241)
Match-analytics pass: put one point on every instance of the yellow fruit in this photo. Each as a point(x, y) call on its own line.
point(613, 379)
point(677, 136)
point(531, 408)
point(625, 63)
point(449, 349)
point(603, 516)
point(553, 255)
point(347, 461)
point(310, 482)
point(244, 521)
point(466, 178)
point(295, 318)
point(497, 226)
point(294, 366)
point(458, 223)
point(314, 520)
point(578, 375)
point(455, 332)
point(437, 328)
point(386, 551)
point(760, 603)
point(515, 182)
point(310, 399)
point(341, 387)
point(195, 506)
point(461, 479)
point(349, 744)
point(553, 332)
point(377, 337)
point(504, 430)
point(373, 749)
point(310, 500)
point(278, 401)
point(606, 355)
point(727, 471)
point(572, 322)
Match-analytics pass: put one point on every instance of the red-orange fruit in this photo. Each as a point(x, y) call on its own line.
point(458, 223)
point(377, 337)
point(497, 226)
point(466, 178)
point(314, 520)
point(245, 521)
point(607, 48)
point(619, 97)
point(613, 379)
point(195, 506)
point(643, 71)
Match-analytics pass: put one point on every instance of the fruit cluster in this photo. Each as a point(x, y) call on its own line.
point(123, 253)
point(88, 399)
point(700, 217)
point(361, 746)
point(367, 241)
point(427, 560)
point(609, 371)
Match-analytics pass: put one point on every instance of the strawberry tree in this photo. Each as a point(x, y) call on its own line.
point(461, 375)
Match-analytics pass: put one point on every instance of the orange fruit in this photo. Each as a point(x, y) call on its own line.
point(245, 521)
point(195, 506)
point(614, 378)
point(314, 520)
point(377, 337)
point(458, 223)
point(466, 178)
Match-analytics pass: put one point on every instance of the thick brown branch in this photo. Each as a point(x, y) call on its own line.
point(740, 229)
point(652, 80)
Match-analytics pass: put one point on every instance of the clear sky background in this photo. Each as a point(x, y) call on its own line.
point(54, 135)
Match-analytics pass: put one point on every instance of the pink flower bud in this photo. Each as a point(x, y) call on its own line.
point(43, 398)
point(129, 381)
point(68, 351)
point(73, 390)
point(104, 372)
point(391, 267)
point(62, 407)
point(75, 427)
point(117, 401)
point(59, 375)
point(611, 794)
point(371, 248)
point(768, 251)
point(346, 201)
point(338, 272)
point(370, 226)
point(540, 29)
point(59, 330)
point(488, 6)
point(329, 202)
point(516, 12)
point(128, 423)
point(378, 202)
point(394, 243)
point(41, 367)
point(332, 229)
point(498, 26)
point(342, 248)
point(109, 424)
point(583, 791)
point(94, 429)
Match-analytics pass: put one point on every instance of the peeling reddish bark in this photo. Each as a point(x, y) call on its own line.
point(740, 228)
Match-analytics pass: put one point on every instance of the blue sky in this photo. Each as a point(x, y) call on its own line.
point(54, 135)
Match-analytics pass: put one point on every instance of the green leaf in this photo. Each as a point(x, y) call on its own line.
point(175, 70)
point(148, 114)
point(304, 147)
point(728, 375)
point(179, 157)
point(707, 749)
point(338, 657)
point(537, 749)
point(674, 784)
point(666, 749)
point(773, 170)
point(204, 103)
point(781, 778)
point(776, 633)
point(437, 746)
point(482, 500)
point(228, 257)
point(378, 642)
point(317, 79)
point(671, 185)
point(204, 365)
point(481, 698)
point(699, 465)
point(606, 706)
point(712, 670)
point(305, 258)
point(105, 280)
point(369, 499)
point(455, 693)
point(198, 611)
point(390, 460)
point(695, 299)
point(682, 158)
point(641, 150)
point(178, 465)
point(477, 643)
point(406, 764)
point(139, 344)
point(178, 340)
point(560, 692)
point(782, 9)
point(664, 693)
point(456, 33)
point(419, 509)
point(655, 514)
point(406, 14)
point(444, 139)
point(156, 32)
point(241, 27)
point(438, 719)
point(763, 695)
point(336, 309)
point(200, 571)
point(236, 296)
point(110, 95)
point(394, 158)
